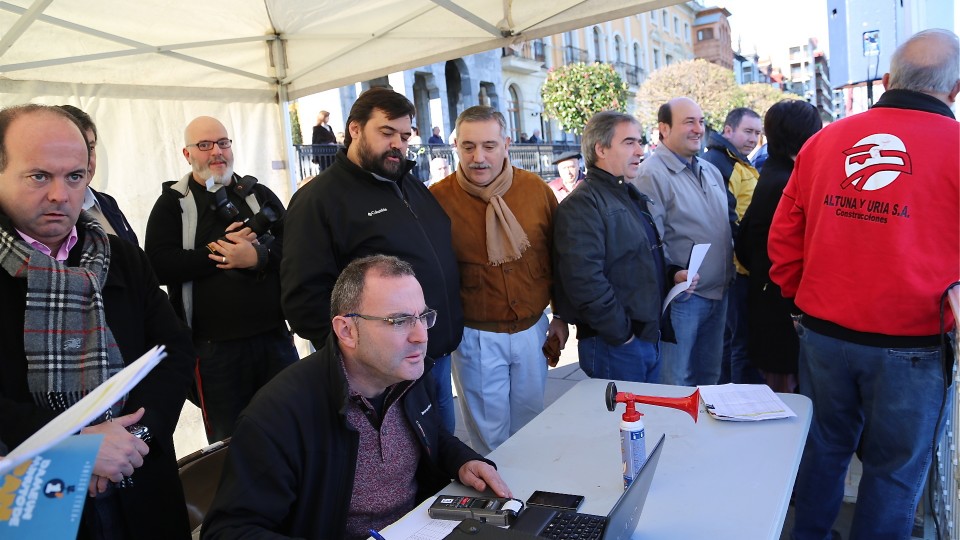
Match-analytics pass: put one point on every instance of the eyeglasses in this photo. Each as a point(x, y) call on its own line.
point(407, 322)
point(208, 145)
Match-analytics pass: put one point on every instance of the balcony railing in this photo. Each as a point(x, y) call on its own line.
point(536, 158)
point(531, 50)
point(572, 55)
point(629, 72)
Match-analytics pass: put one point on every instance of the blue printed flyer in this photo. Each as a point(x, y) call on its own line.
point(43, 497)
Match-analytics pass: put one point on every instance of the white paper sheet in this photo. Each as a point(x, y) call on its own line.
point(418, 525)
point(697, 254)
point(743, 402)
point(84, 411)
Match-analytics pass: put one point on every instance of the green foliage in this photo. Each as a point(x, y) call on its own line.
point(295, 132)
point(573, 93)
point(760, 97)
point(711, 86)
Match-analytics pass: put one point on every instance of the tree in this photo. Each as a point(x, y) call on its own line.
point(295, 133)
point(711, 86)
point(573, 93)
point(760, 97)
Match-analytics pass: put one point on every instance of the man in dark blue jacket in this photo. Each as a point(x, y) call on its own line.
point(349, 438)
point(98, 204)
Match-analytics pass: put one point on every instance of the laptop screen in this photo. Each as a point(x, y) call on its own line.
point(623, 518)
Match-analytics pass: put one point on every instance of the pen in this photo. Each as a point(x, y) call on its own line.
point(376, 535)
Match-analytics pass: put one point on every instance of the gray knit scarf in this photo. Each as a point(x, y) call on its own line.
point(66, 341)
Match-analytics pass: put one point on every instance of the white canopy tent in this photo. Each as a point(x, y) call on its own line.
point(142, 70)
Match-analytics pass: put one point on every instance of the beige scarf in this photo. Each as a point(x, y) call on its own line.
point(506, 240)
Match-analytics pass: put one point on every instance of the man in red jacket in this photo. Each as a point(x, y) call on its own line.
point(865, 241)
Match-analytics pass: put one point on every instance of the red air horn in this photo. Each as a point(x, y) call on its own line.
point(689, 404)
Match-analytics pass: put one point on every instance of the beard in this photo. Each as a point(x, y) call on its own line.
point(378, 164)
point(204, 173)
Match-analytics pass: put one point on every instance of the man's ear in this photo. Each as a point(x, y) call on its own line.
point(727, 131)
point(186, 154)
point(886, 81)
point(354, 128)
point(952, 96)
point(345, 330)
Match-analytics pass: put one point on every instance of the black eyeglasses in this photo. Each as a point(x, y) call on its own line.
point(208, 145)
point(406, 322)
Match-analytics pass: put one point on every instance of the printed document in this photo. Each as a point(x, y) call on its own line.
point(743, 402)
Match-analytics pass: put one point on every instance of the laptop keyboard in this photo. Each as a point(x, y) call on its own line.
point(571, 525)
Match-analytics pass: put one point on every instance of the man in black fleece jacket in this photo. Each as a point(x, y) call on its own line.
point(349, 438)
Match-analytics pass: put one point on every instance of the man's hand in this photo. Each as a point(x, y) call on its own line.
point(560, 329)
point(681, 276)
point(480, 475)
point(238, 250)
point(120, 452)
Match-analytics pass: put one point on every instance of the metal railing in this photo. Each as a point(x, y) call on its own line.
point(572, 55)
point(531, 50)
point(629, 72)
point(536, 158)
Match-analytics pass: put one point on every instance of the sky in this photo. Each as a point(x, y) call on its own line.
point(771, 27)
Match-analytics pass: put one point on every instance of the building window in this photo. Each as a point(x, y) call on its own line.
point(596, 45)
point(686, 32)
point(636, 55)
point(653, 17)
point(513, 111)
point(618, 49)
point(676, 25)
point(669, 59)
point(666, 26)
point(705, 34)
point(656, 59)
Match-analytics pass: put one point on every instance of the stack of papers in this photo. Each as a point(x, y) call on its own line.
point(743, 402)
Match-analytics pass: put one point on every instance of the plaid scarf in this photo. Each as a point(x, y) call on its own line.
point(66, 341)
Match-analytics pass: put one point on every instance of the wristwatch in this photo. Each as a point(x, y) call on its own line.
point(141, 432)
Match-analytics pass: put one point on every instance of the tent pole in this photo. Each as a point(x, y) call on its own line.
point(279, 62)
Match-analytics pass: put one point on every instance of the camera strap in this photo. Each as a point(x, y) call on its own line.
point(188, 217)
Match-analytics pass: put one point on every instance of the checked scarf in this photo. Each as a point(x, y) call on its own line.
point(66, 341)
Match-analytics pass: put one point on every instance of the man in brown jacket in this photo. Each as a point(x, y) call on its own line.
point(502, 225)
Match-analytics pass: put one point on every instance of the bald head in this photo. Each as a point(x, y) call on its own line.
point(928, 62)
point(681, 125)
point(215, 162)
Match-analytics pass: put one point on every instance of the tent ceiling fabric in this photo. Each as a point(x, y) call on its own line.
point(326, 43)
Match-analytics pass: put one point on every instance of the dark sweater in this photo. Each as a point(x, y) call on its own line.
point(226, 304)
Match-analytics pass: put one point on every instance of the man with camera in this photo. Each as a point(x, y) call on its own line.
point(215, 239)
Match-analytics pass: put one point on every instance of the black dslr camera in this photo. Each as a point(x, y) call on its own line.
point(259, 223)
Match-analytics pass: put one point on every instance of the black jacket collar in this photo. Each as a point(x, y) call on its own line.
point(917, 101)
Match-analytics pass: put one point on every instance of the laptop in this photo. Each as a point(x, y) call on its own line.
point(619, 524)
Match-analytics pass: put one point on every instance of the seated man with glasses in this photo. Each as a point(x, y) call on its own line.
point(216, 240)
point(349, 438)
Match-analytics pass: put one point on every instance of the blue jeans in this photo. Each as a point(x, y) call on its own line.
point(230, 372)
point(637, 361)
point(735, 364)
point(888, 400)
point(441, 376)
point(695, 358)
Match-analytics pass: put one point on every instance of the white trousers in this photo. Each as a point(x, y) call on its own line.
point(500, 379)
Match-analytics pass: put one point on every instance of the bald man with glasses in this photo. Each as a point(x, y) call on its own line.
point(216, 242)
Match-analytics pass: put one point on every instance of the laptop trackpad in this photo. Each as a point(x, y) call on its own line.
point(533, 520)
